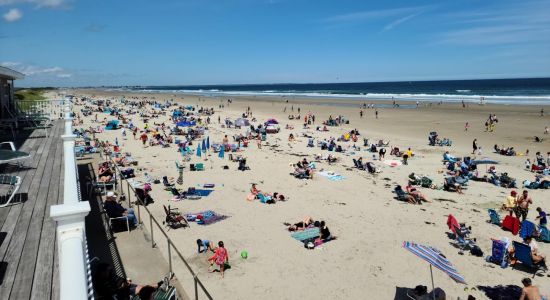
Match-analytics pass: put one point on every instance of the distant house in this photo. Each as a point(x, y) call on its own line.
point(7, 98)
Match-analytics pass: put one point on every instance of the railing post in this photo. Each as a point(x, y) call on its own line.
point(196, 288)
point(151, 227)
point(169, 254)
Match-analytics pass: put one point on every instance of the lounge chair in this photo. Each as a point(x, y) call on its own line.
point(12, 155)
point(14, 183)
point(522, 253)
point(495, 218)
point(168, 293)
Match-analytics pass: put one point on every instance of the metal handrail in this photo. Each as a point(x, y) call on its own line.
point(197, 281)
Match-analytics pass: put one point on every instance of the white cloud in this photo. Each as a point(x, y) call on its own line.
point(13, 15)
point(64, 75)
point(38, 3)
point(30, 70)
point(399, 21)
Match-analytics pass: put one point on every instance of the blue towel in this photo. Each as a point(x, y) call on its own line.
point(203, 193)
point(306, 234)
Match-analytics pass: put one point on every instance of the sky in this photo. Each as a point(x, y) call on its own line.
point(189, 42)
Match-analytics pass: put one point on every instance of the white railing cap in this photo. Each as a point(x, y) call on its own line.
point(73, 211)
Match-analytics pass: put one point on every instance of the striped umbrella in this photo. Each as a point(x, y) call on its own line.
point(434, 258)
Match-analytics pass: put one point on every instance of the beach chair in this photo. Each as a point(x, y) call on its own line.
point(499, 253)
point(494, 217)
point(527, 229)
point(11, 154)
point(163, 293)
point(14, 182)
point(173, 218)
point(544, 234)
point(522, 253)
point(511, 223)
point(358, 165)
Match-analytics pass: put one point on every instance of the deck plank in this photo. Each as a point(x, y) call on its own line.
point(43, 274)
point(26, 271)
point(24, 222)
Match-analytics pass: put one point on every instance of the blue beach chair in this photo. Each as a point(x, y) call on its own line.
point(499, 253)
point(495, 218)
point(544, 234)
point(523, 254)
point(527, 229)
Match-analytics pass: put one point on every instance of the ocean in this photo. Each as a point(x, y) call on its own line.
point(525, 91)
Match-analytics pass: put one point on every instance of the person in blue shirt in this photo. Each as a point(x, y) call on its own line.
point(204, 246)
point(541, 217)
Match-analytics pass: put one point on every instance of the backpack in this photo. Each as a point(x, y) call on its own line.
point(476, 251)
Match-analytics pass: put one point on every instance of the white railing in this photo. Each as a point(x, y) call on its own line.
point(71, 232)
point(51, 109)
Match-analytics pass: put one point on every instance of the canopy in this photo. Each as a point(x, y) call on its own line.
point(271, 121)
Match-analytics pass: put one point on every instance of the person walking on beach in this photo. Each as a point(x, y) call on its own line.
point(542, 112)
point(474, 146)
point(376, 113)
point(466, 126)
point(220, 257)
point(361, 113)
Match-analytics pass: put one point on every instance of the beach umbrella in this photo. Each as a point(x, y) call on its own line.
point(208, 143)
point(203, 145)
point(436, 259)
point(199, 151)
point(222, 152)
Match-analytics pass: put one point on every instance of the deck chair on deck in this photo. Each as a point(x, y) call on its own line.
point(11, 154)
point(168, 293)
point(523, 255)
point(14, 182)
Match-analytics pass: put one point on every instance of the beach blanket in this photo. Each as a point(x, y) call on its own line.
point(205, 218)
point(202, 193)
point(331, 175)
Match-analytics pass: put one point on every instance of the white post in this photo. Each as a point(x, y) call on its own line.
point(71, 231)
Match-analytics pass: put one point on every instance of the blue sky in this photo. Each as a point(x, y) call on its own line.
point(170, 42)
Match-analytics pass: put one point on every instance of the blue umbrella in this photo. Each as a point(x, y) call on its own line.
point(436, 259)
point(222, 152)
point(203, 145)
point(208, 143)
point(199, 151)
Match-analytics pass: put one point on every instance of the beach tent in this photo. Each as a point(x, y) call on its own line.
point(271, 121)
point(222, 152)
point(199, 151)
point(177, 113)
point(241, 122)
point(112, 125)
point(435, 258)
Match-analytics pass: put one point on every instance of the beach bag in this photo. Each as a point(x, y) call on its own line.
point(476, 251)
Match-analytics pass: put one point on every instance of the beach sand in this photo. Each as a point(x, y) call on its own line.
point(367, 260)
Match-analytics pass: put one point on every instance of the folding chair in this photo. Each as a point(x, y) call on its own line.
point(14, 183)
point(495, 218)
point(523, 254)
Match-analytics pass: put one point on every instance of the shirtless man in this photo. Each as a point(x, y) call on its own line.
point(529, 292)
point(522, 207)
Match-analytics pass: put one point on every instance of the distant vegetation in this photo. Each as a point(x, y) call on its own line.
point(31, 93)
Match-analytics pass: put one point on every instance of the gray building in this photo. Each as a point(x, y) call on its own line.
point(7, 98)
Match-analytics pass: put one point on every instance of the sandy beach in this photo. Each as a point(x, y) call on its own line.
point(367, 260)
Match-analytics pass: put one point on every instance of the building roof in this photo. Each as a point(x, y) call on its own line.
point(10, 74)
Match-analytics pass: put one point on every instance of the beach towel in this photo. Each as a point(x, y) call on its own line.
point(331, 175)
point(452, 223)
point(511, 223)
point(202, 193)
point(205, 218)
point(307, 234)
point(527, 229)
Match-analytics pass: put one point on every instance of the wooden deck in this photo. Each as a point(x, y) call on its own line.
point(28, 254)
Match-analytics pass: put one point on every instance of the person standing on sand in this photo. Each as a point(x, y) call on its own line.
point(220, 257)
point(466, 126)
point(542, 112)
point(545, 129)
point(474, 146)
point(376, 113)
point(522, 208)
point(361, 113)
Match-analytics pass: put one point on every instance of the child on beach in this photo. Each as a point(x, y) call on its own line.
point(220, 257)
point(204, 246)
